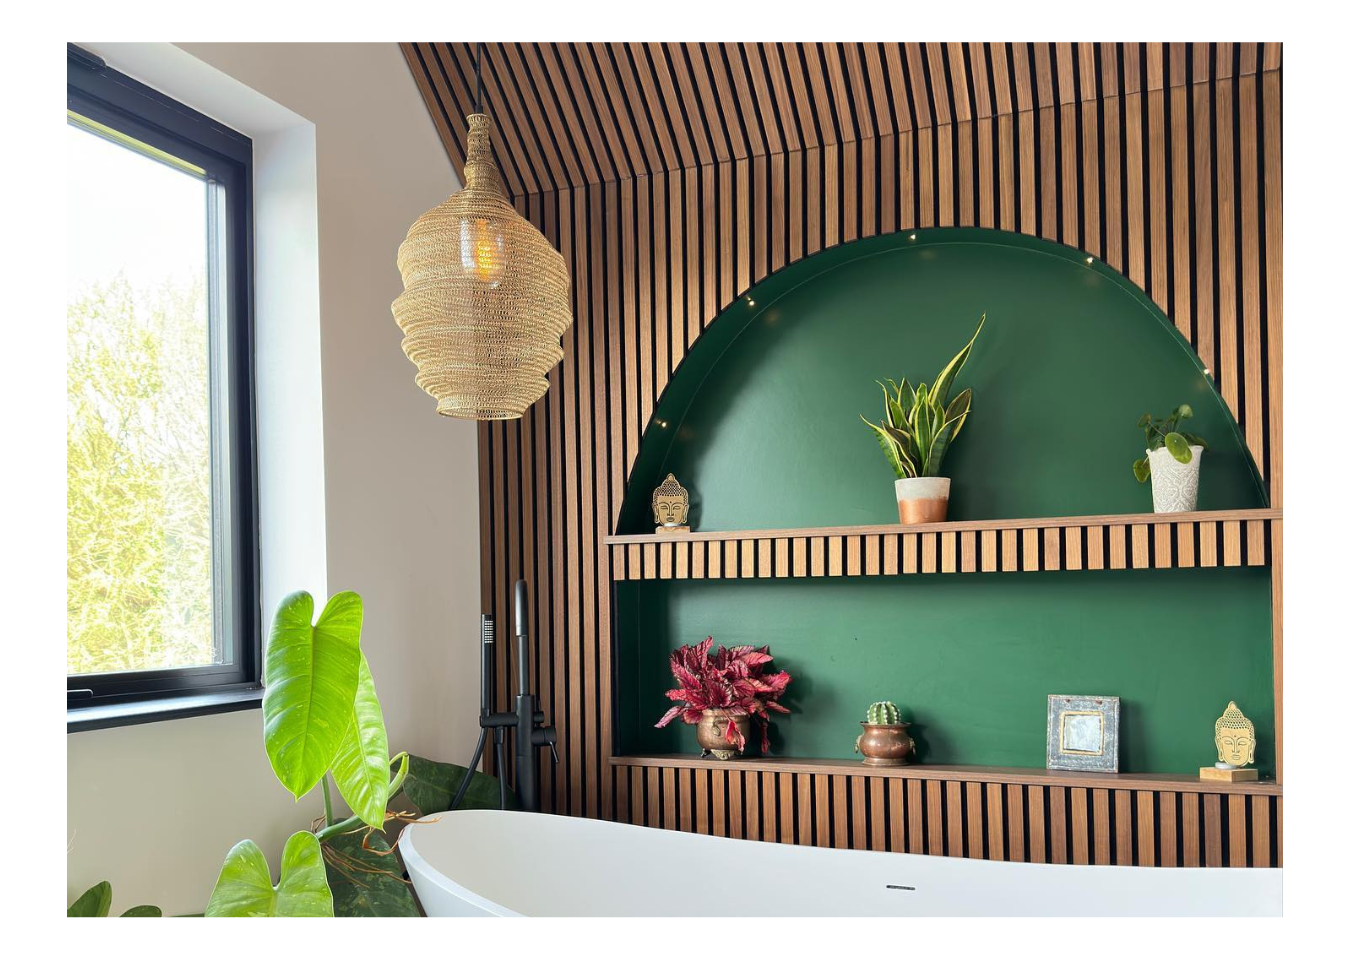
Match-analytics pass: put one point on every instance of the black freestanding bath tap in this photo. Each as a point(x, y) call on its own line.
point(528, 720)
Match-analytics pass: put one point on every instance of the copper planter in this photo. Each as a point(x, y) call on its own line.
point(712, 734)
point(885, 744)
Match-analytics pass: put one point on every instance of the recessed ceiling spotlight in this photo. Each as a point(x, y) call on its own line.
point(751, 302)
point(1090, 259)
point(913, 236)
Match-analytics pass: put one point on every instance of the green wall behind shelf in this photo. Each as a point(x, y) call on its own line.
point(970, 658)
point(761, 423)
point(762, 415)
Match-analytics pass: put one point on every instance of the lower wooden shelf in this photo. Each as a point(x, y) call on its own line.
point(1032, 776)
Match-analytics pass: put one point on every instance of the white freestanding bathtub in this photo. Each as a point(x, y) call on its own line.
point(498, 863)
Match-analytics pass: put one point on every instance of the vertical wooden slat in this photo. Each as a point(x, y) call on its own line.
point(974, 819)
point(1190, 830)
point(1078, 801)
point(1167, 829)
point(1211, 808)
point(1237, 831)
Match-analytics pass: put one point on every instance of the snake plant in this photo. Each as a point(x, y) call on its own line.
point(1164, 433)
point(920, 424)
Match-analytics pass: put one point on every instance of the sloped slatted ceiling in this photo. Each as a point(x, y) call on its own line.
point(675, 176)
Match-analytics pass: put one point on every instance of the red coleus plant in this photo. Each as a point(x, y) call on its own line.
point(733, 679)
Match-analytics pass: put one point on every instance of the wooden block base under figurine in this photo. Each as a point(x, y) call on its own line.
point(672, 530)
point(1236, 775)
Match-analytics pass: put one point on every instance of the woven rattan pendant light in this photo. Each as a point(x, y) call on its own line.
point(485, 296)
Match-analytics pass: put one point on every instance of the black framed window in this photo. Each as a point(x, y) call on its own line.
point(162, 546)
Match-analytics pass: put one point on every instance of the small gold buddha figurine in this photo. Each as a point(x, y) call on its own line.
point(1235, 738)
point(670, 505)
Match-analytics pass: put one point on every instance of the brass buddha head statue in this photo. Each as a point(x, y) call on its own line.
point(1235, 737)
point(670, 503)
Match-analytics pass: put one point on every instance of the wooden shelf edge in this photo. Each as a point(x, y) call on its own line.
point(1100, 520)
point(1166, 782)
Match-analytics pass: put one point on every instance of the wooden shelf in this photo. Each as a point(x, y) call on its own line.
point(1032, 776)
point(1228, 538)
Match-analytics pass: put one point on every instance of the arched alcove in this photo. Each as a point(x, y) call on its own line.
point(761, 423)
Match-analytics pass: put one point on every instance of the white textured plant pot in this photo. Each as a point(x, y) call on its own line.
point(1175, 485)
point(922, 499)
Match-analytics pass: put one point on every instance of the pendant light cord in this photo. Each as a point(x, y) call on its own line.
point(478, 79)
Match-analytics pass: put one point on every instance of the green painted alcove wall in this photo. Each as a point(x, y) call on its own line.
point(762, 416)
point(761, 423)
point(970, 658)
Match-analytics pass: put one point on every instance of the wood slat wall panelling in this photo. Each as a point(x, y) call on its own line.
point(675, 176)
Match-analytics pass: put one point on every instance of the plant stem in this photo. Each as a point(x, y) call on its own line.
point(327, 803)
point(351, 823)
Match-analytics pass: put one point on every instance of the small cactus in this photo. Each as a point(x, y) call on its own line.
point(883, 713)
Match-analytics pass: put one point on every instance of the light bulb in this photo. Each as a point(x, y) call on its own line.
point(482, 250)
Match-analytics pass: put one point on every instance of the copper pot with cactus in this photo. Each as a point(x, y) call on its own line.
point(885, 740)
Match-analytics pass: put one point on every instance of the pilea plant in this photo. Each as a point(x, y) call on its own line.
point(883, 713)
point(1164, 433)
point(919, 424)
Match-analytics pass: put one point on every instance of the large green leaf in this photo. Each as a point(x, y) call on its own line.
point(144, 910)
point(431, 786)
point(943, 383)
point(311, 674)
point(366, 877)
point(94, 902)
point(244, 887)
point(361, 767)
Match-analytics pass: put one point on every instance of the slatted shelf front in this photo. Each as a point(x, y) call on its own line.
point(1119, 542)
point(986, 813)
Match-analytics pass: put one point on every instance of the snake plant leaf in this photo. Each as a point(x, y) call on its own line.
point(244, 887)
point(430, 786)
point(888, 447)
point(361, 767)
point(1178, 447)
point(144, 910)
point(366, 877)
point(94, 902)
point(312, 672)
point(889, 405)
point(907, 454)
point(941, 440)
point(957, 410)
point(905, 393)
point(1141, 470)
point(943, 383)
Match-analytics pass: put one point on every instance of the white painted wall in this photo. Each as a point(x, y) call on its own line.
point(364, 487)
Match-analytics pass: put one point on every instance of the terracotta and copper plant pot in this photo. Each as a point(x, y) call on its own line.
point(922, 499)
point(712, 734)
point(885, 744)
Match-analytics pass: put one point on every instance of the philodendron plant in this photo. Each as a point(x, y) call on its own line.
point(1165, 433)
point(920, 423)
point(321, 719)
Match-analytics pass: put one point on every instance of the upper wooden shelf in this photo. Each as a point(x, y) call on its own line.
point(1229, 538)
point(1167, 782)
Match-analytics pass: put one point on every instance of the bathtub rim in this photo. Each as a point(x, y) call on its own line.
point(412, 858)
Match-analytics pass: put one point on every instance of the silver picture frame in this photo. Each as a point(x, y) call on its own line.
point(1082, 733)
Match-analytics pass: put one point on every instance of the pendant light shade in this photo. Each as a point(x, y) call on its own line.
point(485, 297)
